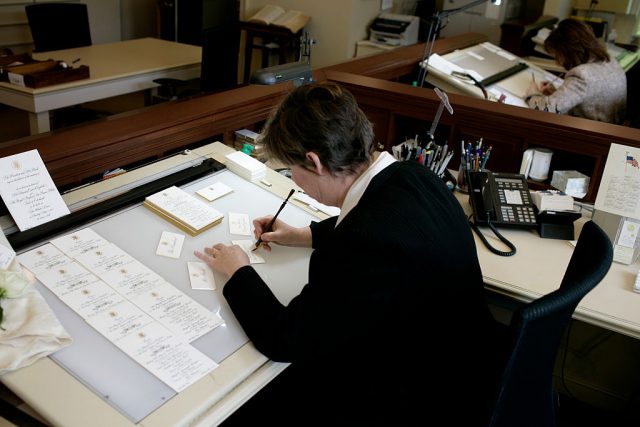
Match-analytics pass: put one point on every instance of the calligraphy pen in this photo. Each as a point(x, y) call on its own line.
point(273, 220)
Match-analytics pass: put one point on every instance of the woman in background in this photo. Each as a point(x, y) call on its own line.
point(595, 87)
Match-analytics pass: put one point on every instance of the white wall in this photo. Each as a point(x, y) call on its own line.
point(561, 9)
point(473, 20)
point(139, 18)
point(104, 20)
point(336, 25)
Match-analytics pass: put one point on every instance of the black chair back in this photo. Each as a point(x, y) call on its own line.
point(56, 26)
point(525, 396)
point(220, 50)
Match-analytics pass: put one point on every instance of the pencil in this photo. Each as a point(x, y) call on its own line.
point(273, 220)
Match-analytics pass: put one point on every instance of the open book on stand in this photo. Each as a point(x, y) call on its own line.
point(294, 20)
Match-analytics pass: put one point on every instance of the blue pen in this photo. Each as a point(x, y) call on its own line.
point(486, 157)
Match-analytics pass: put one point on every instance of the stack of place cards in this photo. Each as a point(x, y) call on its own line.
point(246, 166)
point(183, 210)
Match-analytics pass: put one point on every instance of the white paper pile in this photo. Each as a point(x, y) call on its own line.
point(571, 182)
point(246, 166)
point(552, 200)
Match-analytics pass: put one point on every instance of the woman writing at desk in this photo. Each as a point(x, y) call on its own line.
point(395, 271)
point(595, 87)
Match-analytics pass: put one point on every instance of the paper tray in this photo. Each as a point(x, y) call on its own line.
point(43, 73)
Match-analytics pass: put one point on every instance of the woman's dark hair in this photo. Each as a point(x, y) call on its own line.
point(323, 118)
point(573, 43)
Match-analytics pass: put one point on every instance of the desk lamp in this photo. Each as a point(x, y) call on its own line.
point(434, 30)
point(299, 72)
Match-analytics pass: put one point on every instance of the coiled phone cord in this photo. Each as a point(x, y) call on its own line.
point(498, 235)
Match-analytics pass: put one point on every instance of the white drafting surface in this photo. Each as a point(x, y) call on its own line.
point(120, 380)
point(28, 190)
point(619, 191)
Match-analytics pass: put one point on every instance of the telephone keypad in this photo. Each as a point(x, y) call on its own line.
point(517, 214)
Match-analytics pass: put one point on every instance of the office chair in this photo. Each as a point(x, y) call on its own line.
point(218, 67)
point(524, 396)
point(56, 26)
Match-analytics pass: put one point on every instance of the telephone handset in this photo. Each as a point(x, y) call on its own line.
point(500, 199)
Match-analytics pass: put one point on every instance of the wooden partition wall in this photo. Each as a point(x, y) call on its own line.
point(382, 85)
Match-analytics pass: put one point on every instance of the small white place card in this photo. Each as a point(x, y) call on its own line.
point(239, 223)
point(28, 190)
point(170, 244)
point(247, 246)
point(201, 276)
point(214, 191)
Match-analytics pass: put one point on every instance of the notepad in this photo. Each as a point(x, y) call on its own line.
point(183, 210)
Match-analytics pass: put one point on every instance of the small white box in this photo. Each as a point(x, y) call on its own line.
point(572, 183)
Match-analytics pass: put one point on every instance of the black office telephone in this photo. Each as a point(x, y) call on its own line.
point(500, 199)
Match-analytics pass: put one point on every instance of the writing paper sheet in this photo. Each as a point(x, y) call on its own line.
point(28, 190)
point(619, 191)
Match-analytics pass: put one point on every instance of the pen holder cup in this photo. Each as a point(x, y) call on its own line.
point(472, 177)
point(463, 176)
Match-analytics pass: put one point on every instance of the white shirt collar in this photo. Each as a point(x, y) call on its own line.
point(359, 186)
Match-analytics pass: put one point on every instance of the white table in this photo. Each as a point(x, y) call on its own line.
point(115, 69)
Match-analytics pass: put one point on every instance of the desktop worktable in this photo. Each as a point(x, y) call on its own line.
point(535, 270)
point(486, 60)
point(114, 68)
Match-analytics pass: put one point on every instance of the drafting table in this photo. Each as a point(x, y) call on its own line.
point(136, 398)
point(535, 270)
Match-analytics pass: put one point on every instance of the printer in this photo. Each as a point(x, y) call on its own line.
point(394, 29)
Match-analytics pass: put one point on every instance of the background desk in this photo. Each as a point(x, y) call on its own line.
point(538, 267)
point(513, 87)
point(273, 38)
point(115, 69)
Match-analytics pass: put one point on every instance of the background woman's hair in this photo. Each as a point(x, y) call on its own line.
point(323, 118)
point(573, 43)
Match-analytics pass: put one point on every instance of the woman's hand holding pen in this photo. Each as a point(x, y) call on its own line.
point(281, 233)
point(547, 87)
point(533, 89)
point(224, 259)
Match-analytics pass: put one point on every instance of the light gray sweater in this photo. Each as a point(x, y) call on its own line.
point(596, 90)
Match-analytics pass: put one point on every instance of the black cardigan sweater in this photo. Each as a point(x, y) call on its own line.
point(394, 311)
